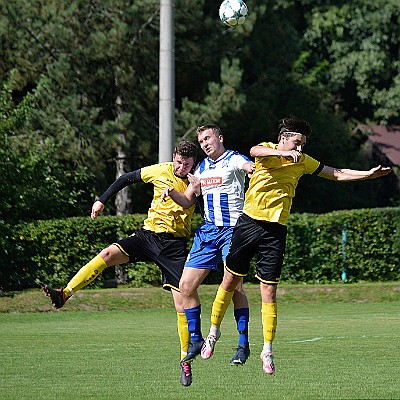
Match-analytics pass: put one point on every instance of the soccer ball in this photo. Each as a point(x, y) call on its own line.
point(233, 12)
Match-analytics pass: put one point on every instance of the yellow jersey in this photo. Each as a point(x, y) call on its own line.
point(273, 185)
point(166, 216)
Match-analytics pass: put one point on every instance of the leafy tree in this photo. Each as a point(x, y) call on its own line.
point(352, 51)
point(222, 98)
point(93, 69)
point(274, 89)
point(33, 185)
point(88, 56)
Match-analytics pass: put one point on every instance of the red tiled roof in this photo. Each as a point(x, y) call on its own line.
point(386, 138)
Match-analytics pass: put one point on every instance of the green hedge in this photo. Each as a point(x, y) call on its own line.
point(316, 252)
point(54, 250)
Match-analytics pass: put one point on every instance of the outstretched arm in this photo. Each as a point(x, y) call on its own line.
point(347, 175)
point(186, 199)
point(264, 151)
point(124, 180)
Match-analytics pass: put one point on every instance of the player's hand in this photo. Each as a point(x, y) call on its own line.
point(249, 167)
point(379, 171)
point(294, 154)
point(97, 208)
point(196, 185)
point(166, 192)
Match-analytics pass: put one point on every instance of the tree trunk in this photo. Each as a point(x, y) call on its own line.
point(122, 200)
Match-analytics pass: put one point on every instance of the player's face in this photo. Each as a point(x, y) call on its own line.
point(211, 144)
point(294, 142)
point(182, 165)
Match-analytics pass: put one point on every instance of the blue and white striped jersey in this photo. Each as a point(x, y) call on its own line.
point(222, 187)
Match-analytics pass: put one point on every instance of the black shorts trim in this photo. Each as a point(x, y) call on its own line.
point(121, 249)
point(169, 287)
point(275, 282)
point(234, 273)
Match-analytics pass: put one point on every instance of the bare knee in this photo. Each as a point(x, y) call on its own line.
point(239, 288)
point(268, 292)
point(185, 287)
point(230, 282)
point(112, 255)
point(178, 302)
point(106, 255)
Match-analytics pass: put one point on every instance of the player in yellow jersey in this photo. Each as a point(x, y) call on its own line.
point(261, 228)
point(162, 239)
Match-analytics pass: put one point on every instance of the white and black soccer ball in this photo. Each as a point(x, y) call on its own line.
point(233, 12)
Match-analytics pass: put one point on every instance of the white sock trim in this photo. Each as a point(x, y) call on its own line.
point(267, 347)
point(215, 331)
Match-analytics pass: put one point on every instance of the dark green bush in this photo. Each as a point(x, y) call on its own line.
point(54, 250)
point(8, 250)
point(316, 252)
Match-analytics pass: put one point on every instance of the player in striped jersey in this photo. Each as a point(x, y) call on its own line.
point(220, 179)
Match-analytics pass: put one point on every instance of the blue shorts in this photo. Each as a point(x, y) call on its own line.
point(210, 246)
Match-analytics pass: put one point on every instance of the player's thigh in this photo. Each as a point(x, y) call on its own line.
point(270, 254)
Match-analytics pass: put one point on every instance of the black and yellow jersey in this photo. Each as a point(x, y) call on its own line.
point(273, 185)
point(166, 216)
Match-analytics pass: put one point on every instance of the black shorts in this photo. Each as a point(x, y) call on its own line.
point(165, 250)
point(266, 239)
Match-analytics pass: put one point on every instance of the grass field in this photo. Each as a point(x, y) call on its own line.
point(333, 342)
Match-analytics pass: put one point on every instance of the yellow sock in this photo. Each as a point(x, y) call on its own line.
point(87, 274)
point(269, 321)
point(183, 333)
point(220, 304)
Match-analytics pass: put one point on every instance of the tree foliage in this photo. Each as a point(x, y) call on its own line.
point(352, 51)
point(33, 184)
point(83, 84)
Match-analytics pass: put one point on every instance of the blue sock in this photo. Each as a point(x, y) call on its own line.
point(194, 323)
point(242, 316)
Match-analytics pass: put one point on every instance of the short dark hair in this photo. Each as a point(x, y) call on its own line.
point(291, 124)
point(186, 149)
point(216, 129)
